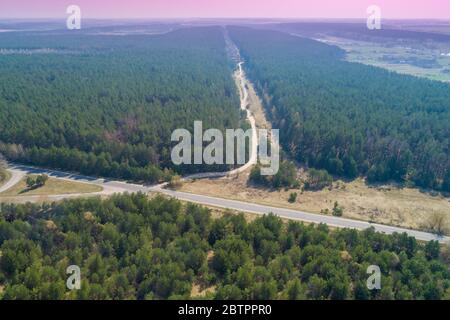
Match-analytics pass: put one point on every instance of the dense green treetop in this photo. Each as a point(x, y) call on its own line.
point(348, 118)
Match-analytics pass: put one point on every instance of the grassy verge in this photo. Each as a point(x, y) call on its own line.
point(52, 187)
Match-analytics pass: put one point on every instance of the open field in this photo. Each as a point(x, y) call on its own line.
point(430, 61)
point(52, 187)
point(402, 207)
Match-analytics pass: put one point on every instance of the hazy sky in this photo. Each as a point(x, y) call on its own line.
point(438, 9)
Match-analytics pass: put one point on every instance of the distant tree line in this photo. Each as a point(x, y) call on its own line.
point(286, 176)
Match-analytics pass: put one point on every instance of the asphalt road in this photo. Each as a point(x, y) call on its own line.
point(112, 186)
point(109, 186)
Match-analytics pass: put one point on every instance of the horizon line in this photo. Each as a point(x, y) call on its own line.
point(221, 18)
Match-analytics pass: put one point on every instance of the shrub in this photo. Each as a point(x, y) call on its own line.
point(438, 223)
point(292, 197)
point(175, 182)
point(337, 210)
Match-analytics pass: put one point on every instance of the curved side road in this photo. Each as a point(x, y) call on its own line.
point(16, 176)
point(112, 186)
point(243, 92)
